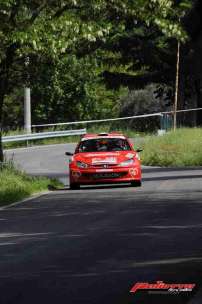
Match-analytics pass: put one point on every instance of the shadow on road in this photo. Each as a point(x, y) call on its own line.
point(175, 177)
point(91, 249)
point(170, 169)
point(119, 186)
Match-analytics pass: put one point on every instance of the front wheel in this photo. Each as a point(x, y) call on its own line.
point(74, 186)
point(136, 183)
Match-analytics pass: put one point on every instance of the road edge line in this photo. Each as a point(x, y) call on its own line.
point(34, 196)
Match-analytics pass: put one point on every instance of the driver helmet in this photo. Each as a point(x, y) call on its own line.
point(102, 144)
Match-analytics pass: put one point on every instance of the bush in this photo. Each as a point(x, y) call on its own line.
point(143, 101)
point(180, 148)
point(16, 185)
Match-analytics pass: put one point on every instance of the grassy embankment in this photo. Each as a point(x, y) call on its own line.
point(16, 185)
point(180, 148)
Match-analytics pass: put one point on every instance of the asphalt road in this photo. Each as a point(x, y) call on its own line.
point(92, 245)
point(43, 160)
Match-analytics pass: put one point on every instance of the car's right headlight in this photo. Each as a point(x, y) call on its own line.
point(127, 163)
point(81, 165)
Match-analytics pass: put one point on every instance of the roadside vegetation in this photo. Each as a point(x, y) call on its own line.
point(98, 128)
point(15, 185)
point(180, 148)
point(88, 60)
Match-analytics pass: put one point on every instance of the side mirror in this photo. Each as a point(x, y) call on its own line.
point(69, 153)
point(139, 150)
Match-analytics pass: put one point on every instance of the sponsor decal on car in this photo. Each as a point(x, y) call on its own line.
point(106, 175)
point(133, 172)
point(101, 154)
point(106, 160)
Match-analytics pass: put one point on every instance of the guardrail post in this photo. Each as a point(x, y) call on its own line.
point(165, 123)
point(162, 129)
point(27, 110)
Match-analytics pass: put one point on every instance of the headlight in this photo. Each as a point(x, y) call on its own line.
point(81, 164)
point(137, 156)
point(127, 163)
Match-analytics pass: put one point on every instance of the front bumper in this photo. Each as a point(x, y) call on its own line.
point(100, 176)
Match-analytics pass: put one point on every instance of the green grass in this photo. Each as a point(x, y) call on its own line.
point(180, 148)
point(16, 185)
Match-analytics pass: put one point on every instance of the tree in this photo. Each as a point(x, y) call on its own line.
point(72, 87)
point(33, 27)
point(55, 28)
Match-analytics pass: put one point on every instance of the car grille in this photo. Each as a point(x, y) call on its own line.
point(104, 166)
point(104, 175)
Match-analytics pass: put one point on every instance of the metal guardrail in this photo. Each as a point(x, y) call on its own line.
point(33, 136)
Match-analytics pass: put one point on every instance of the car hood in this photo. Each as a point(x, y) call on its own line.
point(99, 158)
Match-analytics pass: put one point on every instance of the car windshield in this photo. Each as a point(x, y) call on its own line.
point(103, 145)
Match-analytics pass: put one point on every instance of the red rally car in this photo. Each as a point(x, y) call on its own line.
point(104, 158)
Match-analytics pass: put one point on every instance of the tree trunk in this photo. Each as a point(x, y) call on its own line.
point(2, 93)
point(1, 149)
point(4, 78)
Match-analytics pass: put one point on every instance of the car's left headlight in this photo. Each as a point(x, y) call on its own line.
point(81, 164)
point(127, 163)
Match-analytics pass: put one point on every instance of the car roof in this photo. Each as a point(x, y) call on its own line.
point(103, 135)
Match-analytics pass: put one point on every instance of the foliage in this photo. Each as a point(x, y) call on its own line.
point(13, 110)
point(53, 30)
point(56, 26)
point(73, 88)
point(179, 148)
point(144, 101)
point(16, 185)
